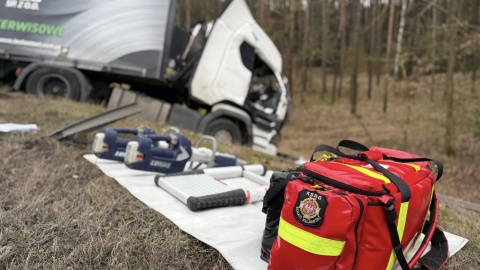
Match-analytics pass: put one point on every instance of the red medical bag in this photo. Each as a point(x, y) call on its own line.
point(363, 211)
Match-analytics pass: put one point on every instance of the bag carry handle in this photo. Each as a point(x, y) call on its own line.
point(332, 150)
point(352, 145)
point(399, 182)
point(360, 147)
point(438, 254)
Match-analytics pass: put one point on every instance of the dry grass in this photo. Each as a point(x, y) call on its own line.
point(58, 211)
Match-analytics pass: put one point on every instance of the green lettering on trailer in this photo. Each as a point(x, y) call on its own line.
point(34, 28)
point(22, 26)
point(52, 29)
point(42, 29)
point(60, 31)
point(3, 25)
point(11, 25)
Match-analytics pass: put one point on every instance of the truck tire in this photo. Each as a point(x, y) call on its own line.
point(101, 93)
point(54, 82)
point(225, 130)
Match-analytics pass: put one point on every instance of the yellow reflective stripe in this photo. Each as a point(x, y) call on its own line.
point(368, 172)
point(415, 166)
point(377, 175)
point(309, 242)
point(402, 218)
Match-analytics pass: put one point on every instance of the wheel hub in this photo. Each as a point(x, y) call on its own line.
point(54, 85)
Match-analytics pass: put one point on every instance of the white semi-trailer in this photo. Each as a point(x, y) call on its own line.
point(223, 78)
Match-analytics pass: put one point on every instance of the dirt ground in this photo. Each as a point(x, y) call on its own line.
point(58, 211)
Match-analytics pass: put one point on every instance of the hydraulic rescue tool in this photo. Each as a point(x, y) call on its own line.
point(110, 144)
point(170, 154)
point(166, 153)
point(158, 153)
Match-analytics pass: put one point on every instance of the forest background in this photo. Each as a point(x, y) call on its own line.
point(402, 47)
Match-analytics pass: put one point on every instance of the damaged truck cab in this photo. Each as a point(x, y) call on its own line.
point(238, 79)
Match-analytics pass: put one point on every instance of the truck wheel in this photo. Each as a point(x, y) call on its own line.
point(53, 82)
point(225, 130)
point(101, 93)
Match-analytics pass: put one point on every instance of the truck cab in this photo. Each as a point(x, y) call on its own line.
point(237, 78)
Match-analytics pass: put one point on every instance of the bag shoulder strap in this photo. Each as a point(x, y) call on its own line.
point(438, 254)
point(278, 182)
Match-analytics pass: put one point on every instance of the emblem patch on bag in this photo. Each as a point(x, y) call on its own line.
point(310, 208)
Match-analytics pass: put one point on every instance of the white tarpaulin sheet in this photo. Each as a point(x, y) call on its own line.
point(237, 230)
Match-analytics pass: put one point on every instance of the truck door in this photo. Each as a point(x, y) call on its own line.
point(221, 75)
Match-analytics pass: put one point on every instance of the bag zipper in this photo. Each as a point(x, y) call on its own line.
point(338, 184)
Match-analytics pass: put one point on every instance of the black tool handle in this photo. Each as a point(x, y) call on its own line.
point(234, 197)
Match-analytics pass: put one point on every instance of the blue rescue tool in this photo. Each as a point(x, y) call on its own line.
point(109, 145)
point(158, 153)
point(210, 156)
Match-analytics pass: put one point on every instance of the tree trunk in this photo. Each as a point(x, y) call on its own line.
point(387, 62)
point(188, 15)
point(434, 39)
point(343, 43)
point(452, 36)
point(475, 48)
point(336, 64)
point(417, 23)
point(219, 7)
point(381, 17)
point(285, 40)
point(399, 40)
point(261, 12)
point(334, 86)
point(474, 69)
point(371, 50)
point(355, 44)
point(324, 46)
point(291, 40)
point(305, 46)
